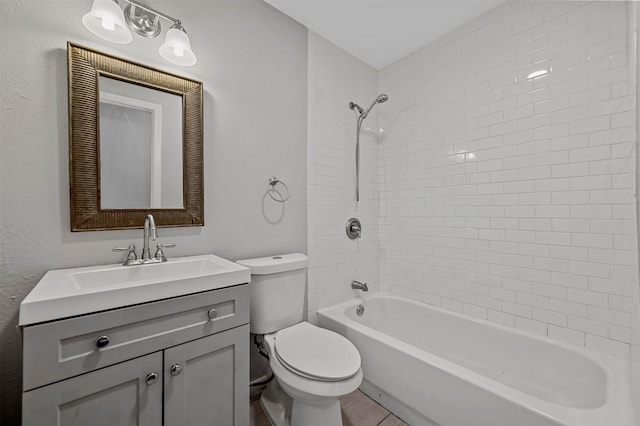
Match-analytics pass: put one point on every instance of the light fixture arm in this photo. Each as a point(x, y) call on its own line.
point(155, 12)
point(107, 20)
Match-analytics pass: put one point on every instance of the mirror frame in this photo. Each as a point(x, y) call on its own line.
point(85, 66)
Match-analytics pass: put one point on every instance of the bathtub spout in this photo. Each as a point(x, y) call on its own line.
point(357, 285)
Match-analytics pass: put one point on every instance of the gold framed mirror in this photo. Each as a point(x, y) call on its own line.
point(135, 144)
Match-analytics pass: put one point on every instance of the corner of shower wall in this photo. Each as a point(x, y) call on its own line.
point(335, 79)
point(633, 12)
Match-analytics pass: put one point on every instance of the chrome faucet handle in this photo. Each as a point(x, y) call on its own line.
point(354, 228)
point(160, 254)
point(131, 255)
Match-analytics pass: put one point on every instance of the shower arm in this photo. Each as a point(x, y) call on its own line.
point(358, 127)
point(361, 117)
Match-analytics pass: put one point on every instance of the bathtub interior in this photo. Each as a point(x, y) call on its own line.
point(533, 366)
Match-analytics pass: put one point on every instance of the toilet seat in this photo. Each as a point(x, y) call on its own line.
point(316, 353)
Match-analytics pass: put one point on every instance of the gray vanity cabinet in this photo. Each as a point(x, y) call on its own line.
point(181, 361)
point(211, 382)
point(116, 395)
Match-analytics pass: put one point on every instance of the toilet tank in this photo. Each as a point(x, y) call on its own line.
point(277, 289)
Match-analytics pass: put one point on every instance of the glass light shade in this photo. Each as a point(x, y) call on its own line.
point(106, 20)
point(177, 48)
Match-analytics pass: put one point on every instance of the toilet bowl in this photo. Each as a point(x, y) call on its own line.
point(313, 367)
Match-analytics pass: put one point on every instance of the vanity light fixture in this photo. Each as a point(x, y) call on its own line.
point(108, 21)
point(177, 46)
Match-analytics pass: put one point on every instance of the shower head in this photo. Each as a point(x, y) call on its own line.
point(361, 116)
point(380, 99)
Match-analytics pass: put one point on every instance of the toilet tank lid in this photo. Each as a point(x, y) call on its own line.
point(275, 264)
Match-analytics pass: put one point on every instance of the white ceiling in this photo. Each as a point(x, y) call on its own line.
point(379, 32)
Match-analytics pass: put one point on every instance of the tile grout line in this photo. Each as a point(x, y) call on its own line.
point(385, 418)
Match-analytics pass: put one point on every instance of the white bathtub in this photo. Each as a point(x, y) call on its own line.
point(431, 366)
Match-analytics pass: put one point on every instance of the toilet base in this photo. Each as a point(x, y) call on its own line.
point(282, 410)
point(315, 415)
point(276, 404)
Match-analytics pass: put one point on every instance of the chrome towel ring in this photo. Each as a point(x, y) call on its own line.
point(271, 188)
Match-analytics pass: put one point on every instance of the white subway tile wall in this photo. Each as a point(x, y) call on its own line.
point(503, 195)
point(335, 79)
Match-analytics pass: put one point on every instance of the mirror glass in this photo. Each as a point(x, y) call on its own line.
point(140, 150)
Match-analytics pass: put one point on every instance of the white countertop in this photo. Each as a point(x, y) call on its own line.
point(64, 293)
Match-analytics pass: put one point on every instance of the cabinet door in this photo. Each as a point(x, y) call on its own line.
point(207, 381)
point(116, 395)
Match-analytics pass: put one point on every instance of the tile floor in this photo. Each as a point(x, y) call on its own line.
point(357, 410)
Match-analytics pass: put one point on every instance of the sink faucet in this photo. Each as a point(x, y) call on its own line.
point(149, 234)
point(357, 285)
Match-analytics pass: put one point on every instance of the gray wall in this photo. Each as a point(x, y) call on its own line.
point(253, 63)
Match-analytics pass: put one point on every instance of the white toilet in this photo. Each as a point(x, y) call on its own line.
point(313, 367)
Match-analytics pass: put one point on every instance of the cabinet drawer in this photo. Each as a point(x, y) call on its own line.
point(60, 349)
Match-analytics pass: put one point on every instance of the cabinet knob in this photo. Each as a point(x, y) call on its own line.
point(212, 313)
point(102, 342)
point(175, 369)
point(151, 378)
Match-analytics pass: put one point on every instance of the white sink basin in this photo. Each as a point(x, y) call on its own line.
point(69, 292)
point(176, 269)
